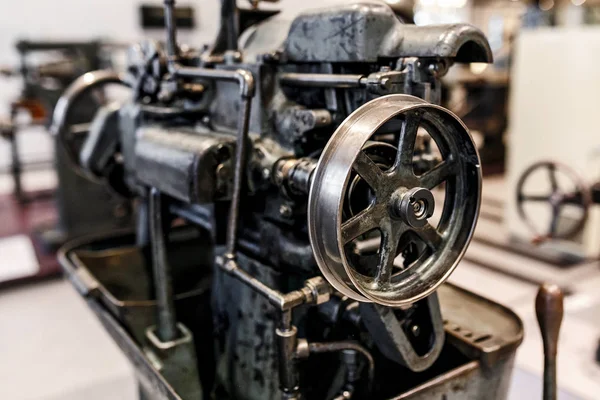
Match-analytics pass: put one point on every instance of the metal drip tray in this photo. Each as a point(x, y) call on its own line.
point(119, 274)
point(114, 276)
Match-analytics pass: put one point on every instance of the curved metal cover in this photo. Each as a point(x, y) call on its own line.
point(365, 32)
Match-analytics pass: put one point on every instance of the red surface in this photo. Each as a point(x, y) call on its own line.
point(25, 219)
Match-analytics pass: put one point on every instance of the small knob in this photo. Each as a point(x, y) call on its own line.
point(549, 311)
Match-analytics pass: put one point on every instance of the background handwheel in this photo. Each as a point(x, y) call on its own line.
point(557, 198)
point(399, 202)
point(87, 93)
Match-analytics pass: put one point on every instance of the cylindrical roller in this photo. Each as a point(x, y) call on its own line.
point(182, 164)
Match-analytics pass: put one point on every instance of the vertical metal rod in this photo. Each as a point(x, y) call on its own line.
point(142, 234)
point(230, 21)
point(549, 311)
point(246, 82)
point(16, 166)
point(285, 323)
point(239, 176)
point(167, 329)
point(172, 51)
point(287, 342)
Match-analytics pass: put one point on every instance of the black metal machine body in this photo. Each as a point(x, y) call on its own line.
point(286, 244)
point(46, 69)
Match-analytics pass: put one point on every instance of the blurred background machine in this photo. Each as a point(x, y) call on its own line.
point(569, 202)
point(46, 69)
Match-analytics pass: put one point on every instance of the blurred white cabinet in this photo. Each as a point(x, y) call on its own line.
point(554, 115)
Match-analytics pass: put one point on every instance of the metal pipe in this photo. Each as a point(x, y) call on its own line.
point(282, 301)
point(272, 295)
point(170, 25)
point(340, 81)
point(243, 77)
point(167, 323)
point(286, 333)
point(241, 156)
point(317, 348)
point(287, 340)
point(286, 320)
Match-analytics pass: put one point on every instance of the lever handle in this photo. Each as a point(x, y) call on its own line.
point(549, 311)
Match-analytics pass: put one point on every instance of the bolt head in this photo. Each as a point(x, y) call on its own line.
point(415, 330)
point(285, 211)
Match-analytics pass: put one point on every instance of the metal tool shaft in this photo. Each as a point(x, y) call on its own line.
point(167, 323)
point(549, 311)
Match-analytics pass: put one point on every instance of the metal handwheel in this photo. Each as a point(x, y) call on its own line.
point(580, 197)
point(396, 202)
point(79, 94)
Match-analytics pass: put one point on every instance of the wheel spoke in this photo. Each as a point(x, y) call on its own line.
point(575, 199)
point(534, 198)
point(430, 236)
point(552, 177)
point(438, 174)
point(362, 222)
point(387, 253)
point(407, 140)
point(554, 220)
point(368, 170)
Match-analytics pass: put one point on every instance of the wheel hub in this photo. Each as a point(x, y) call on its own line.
point(413, 206)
